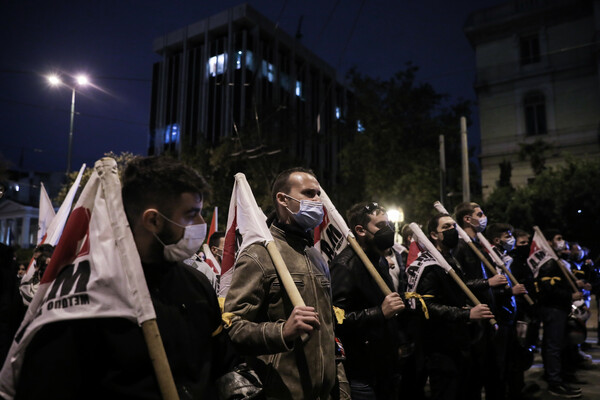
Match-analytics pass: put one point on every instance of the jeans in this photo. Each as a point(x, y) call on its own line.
point(553, 343)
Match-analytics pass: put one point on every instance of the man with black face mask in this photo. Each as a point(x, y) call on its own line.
point(370, 331)
point(447, 332)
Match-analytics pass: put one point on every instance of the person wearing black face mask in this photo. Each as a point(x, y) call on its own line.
point(446, 333)
point(370, 331)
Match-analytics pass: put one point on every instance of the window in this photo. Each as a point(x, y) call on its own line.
point(535, 113)
point(298, 88)
point(338, 113)
point(172, 133)
point(530, 49)
point(359, 126)
point(217, 64)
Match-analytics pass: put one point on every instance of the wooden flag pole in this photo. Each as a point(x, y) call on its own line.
point(435, 253)
point(562, 267)
point(159, 360)
point(285, 276)
point(498, 261)
point(369, 265)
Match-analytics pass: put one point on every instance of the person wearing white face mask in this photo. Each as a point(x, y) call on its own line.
point(291, 348)
point(107, 358)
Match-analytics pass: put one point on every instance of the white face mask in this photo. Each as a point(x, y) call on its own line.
point(560, 245)
point(480, 227)
point(509, 244)
point(186, 247)
point(310, 215)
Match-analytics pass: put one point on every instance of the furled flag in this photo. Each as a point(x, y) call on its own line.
point(55, 228)
point(331, 234)
point(246, 224)
point(210, 259)
point(95, 271)
point(539, 253)
point(214, 224)
point(46, 214)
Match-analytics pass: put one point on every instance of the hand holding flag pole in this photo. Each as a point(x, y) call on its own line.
point(334, 214)
point(425, 243)
point(498, 261)
point(467, 239)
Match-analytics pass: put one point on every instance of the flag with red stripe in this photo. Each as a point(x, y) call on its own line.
point(246, 224)
point(95, 271)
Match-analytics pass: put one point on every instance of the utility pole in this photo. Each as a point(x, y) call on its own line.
point(466, 191)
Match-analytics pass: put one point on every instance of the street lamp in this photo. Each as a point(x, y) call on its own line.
point(80, 80)
point(395, 215)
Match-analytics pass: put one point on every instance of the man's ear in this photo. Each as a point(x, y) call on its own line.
point(152, 221)
point(434, 235)
point(282, 199)
point(360, 230)
point(496, 241)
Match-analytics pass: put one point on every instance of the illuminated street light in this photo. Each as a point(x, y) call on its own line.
point(81, 80)
point(395, 215)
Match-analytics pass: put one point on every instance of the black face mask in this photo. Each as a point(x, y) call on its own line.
point(384, 238)
point(450, 239)
point(521, 251)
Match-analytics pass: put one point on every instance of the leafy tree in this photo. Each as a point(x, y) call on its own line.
point(395, 160)
point(563, 197)
point(536, 152)
point(121, 160)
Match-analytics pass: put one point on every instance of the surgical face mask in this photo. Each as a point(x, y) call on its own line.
point(384, 238)
point(482, 224)
point(509, 244)
point(310, 214)
point(450, 238)
point(560, 245)
point(186, 247)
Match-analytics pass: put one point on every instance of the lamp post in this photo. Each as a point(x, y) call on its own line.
point(80, 80)
point(395, 215)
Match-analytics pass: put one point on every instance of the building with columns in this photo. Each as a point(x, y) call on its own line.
point(538, 67)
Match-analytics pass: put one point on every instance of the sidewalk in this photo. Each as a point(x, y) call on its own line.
point(591, 390)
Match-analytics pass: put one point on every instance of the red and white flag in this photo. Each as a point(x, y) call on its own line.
point(214, 224)
point(331, 234)
point(540, 253)
point(46, 214)
point(246, 224)
point(55, 228)
point(95, 271)
point(210, 259)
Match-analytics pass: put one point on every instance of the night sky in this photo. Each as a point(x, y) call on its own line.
point(112, 40)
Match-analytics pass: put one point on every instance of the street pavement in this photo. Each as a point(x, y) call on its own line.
point(590, 375)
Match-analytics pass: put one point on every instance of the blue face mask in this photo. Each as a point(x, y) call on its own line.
point(310, 214)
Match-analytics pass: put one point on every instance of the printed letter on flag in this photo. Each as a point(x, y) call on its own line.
point(95, 271)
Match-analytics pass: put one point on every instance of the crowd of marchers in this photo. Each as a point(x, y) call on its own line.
point(424, 338)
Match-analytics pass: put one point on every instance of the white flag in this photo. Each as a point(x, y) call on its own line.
point(246, 224)
point(46, 214)
point(331, 234)
point(95, 270)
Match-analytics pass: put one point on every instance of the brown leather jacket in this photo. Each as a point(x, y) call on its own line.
point(261, 307)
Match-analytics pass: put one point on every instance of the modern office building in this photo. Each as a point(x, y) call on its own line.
point(538, 65)
point(236, 75)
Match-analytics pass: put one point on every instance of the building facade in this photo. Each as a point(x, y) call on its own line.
point(237, 75)
point(538, 66)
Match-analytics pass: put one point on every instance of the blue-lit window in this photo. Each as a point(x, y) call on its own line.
point(285, 82)
point(298, 88)
point(268, 70)
point(338, 113)
point(238, 60)
point(172, 133)
point(359, 126)
point(217, 64)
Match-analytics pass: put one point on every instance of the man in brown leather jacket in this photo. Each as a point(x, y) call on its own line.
point(266, 327)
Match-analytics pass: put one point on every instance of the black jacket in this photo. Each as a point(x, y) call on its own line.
point(371, 342)
point(553, 288)
point(107, 358)
point(447, 329)
point(499, 298)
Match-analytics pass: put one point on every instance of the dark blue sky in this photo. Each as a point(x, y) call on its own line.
point(112, 42)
